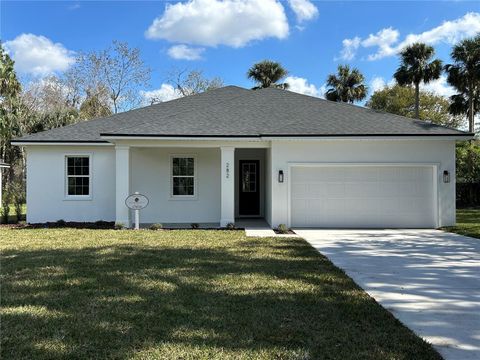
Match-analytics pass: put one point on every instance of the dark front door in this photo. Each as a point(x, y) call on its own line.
point(249, 192)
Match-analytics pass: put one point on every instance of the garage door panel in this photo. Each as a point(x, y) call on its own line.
point(334, 190)
point(362, 196)
point(316, 190)
point(300, 191)
point(387, 173)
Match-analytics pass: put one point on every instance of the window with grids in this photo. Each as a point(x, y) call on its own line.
point(78, 175)
point(183, 176)
point(249, 177)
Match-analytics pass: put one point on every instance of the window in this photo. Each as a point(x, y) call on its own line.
point(183, 176)
point(249, 177)
point(78, 176)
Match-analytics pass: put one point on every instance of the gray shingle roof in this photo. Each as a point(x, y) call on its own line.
point(234, 111)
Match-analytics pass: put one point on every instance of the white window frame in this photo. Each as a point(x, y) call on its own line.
point(90, 170)
point(195, 165)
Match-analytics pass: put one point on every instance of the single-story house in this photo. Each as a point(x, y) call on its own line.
point(231, 153)
point(3, 165)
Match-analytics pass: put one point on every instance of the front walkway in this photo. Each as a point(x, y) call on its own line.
point(428, 279)
point(255, 227)
point(258, 228)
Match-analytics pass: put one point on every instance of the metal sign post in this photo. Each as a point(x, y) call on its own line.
point(136, 202)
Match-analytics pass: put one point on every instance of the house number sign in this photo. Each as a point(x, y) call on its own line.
point(227, 170)
point(136, 202)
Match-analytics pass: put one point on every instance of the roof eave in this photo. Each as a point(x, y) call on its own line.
point(124, 136)
point(61, 142)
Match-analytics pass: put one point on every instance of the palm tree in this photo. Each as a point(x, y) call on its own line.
point(416, 67)
point(266, 74)
point(347, 85)
point(464, 75)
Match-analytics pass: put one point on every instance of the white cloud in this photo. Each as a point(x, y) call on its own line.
point(303, 9)
point(350, 47)
point(166, 92)
point(439, 87)
point(302, 86)
point(213, 22)
point(449, 32)
point(38, 55)
point(379, 83)
point(387, 40)
point(184, 52)
point(383, 40)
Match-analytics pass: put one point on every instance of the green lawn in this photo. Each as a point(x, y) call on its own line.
point(185, 295)
point(468, 222)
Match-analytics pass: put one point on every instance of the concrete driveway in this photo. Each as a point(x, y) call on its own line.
point(428, 279)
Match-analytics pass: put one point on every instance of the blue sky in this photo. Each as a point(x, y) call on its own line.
point(310, 38)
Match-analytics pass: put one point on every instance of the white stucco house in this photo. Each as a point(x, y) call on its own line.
point(231, 153)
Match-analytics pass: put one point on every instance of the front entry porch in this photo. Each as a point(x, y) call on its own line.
point(211, 186)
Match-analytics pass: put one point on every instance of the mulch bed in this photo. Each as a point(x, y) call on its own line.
point(98, 225)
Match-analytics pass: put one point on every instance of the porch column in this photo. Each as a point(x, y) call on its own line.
point(122, 184)
point(227, 164)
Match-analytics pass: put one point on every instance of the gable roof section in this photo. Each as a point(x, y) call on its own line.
point(236, 112)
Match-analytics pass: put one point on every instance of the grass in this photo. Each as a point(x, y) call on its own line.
point(185, 294)
point(468, 222)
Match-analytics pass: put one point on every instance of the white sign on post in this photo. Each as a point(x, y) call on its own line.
point(136, 202)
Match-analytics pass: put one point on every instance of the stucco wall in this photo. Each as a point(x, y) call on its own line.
point(46, 199)
point(364, 151)
point(150, 175)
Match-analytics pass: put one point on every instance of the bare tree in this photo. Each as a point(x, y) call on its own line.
point(119, 69)
point(190, 82)
point(44, 95)
point(124, 72)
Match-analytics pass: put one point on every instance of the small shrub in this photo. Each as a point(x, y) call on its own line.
point(119, 226)
point(18, 198)
point(282, 229)
point(18, 210)
point(61, 223)
point(194, 225)
point(7, 199)
point(102, 224)
point(156, 227)
point(5, 210)
point(230, 226)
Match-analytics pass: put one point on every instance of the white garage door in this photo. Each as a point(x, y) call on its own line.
point(368, 196)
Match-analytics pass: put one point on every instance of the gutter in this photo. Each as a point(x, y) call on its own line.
point(259, 137)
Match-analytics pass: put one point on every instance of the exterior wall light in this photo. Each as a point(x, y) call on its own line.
point(280, 176)
point(446, 176)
